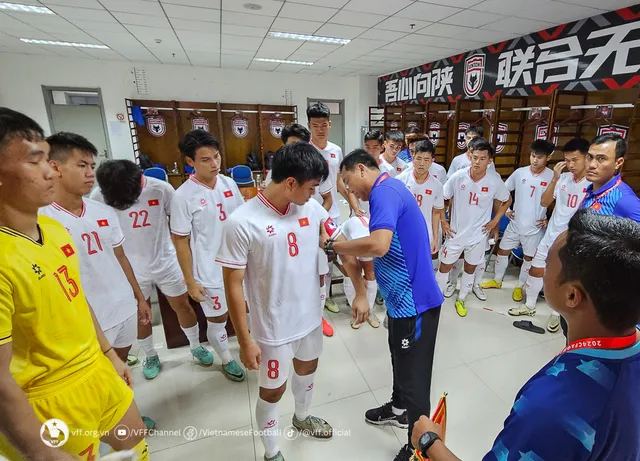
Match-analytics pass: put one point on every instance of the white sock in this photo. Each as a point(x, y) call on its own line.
point(217, 336)
point(455, 272)
point(267, 416)
point(533, 289)
point(465, 285)
point(524, 273)
point(193, 335)
point(372, 290)
point(146, 345)
point(479, 273)
point(302, 389)
point(442, 279)
point(349, 290)
point(327, 282)
point(397, 411)
point(436, 264)
point(502, 261)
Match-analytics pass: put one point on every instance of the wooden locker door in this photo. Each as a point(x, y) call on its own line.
point(271, 140)
point(246, 137)
point(162, 147)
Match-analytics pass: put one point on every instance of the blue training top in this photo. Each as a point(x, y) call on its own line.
point(405, 274)
point(615, 198)
point(582, 406)
point(405, 155)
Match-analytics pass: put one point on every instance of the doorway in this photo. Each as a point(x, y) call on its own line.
point(79, 110)
point(336, 106)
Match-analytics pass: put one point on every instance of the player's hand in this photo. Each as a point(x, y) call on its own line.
point(494, 234)
point(421, 427)
point(358, 212)
point(324, 236)
point(540, 223)
point(251, 356)
point(196, 291)
point(489, 226)
point(434, 246)
point(144, 312)
point(121, 368)
point(59, 455)
point(360, 309)
point(511, 214)
point(558, 169)
point(446, 230)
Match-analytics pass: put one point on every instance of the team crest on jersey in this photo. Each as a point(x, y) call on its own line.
point(200, 123)
point(462, 187)
point(203, 202)
point(275, 127)
point(524, 180)
point(434, 133)
point(156, 126)
point(474, 74)
point(240, 127)
point(616, 129)
point(563, 187)
point(502, 137)
point(460, 142)
point(271, 231)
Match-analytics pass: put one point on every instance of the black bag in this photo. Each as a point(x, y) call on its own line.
point(254, 162)
point(145, 161)
point(268, 160)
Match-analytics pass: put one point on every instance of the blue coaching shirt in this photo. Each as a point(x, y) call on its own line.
point(615, 198)
point(405, 274)
point(405, 155)
point(581, 406)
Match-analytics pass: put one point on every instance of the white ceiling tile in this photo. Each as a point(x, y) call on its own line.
point(609, 5)
point(198, 41)
point(443, 30)
point(149, 35)
point(187, 24)
point(84, 14)
point(312, 70)
point(456, 3)
point(377, 6)
point(169, 56)
point(327, 3)
point(94, 4)
point(560, 12)
point(69, 52)
point(486, 36)
point(121, 38)
point(314, 46)
point(142, 20)
point(295, 26)
point(292, 68)
point(518, 25)
point(401, 24)
point(138, 54)
point(28, 2)
point(106, 55)
point(146, 7)
point(249, 53)
point(427, 12)
point(439, 42)
point(233, 29)
point(79, 36)
point(91, 26)
point(367, 59)
point(469, 18)
point(298, 11)
point(264, 66)
point(277, 49)
point(244, 19)
point(338, 31)
point(201, 3)
point(378, 34)
point(306, 56)
point(231, 61)
point(400, 47)
point(191, 12)
point(190, 35)
point(508, 7)
point(235, 42)
point(269, 7)
point(356, 18)
point(361, 44)
point(200, 58)
point(38, 21)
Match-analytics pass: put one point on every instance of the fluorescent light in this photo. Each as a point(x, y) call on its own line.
point(311, 38)
point(71, 44)
point(285, 61)
point(25, 8)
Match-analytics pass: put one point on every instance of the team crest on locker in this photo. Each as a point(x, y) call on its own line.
point(542, 129)
point(434, 133)
point(616, 129)
point(240, 127)
point(200, 123)
point(275, 127)
point(502, 137)
point(474, 74)
point(156, 126)
point(413, 123)
point(460, 142)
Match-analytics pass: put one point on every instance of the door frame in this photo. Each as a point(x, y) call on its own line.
point(48, 102)
point(344, 119)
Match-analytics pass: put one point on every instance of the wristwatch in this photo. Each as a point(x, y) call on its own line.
point(328, 247)
point(426, 440)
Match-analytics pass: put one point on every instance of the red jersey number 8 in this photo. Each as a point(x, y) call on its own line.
point(293, 244)
point(273, 369)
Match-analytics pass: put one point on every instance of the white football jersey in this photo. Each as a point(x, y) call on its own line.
point(279, 253)
point(356, 227)
point(145, 226)
point(462, 161)
point(324, 187)
point(568, 195)
point(333, 155)
point(436, 170)
point(96, 232)
point(473, 203)
point(200, 212)
point(529, 188)
point(394, 168)
point(428, 194)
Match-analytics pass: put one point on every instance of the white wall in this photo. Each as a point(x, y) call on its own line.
point(21, 78)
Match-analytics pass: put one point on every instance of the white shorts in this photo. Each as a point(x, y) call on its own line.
point(123, 334)
point(276, 360)
point(473, 254)
point(215, 304)
point(323, 263)
point(511, 239)
point(171, 282)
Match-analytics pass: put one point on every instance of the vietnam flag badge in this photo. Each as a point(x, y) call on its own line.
point(68, 250)
point(228, 193)
point(103, 223)
point(304, 222)
point(154, 202)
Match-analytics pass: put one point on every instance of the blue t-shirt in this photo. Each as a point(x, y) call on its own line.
point(405, 274)
point(405, 155)
point(614, 199)
point(581, 406)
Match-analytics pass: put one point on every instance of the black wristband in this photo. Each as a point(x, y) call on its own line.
point(108, 350)
point(426, 441)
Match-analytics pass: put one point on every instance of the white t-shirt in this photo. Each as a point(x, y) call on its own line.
point(394, 168)
point(279, 253)
point(428, 194)
point(436, 170)
point(356, 227)
point(96, 232)
point(462, 161)
point(199, 211)
point(568, 195)
point(473, 203)
point(323, 188)
point(146, 229)
point(529, 188)
point(333, 155)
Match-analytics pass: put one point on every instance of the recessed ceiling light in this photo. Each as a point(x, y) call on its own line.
point(71, 44)
point(285, 61)
point(25, 8)
point(252, 6)
point(310, 38)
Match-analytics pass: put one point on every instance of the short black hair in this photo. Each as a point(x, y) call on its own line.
point(318, 110)
point(412, 130)
point(63, 143)
point(482, 144)
point(300, 161)
point(621, 144)
point(120, 182)
point(374, 135)
point(424, 145)
point(579, 144)
point(394, 135)
point(297, 131)
point(356, 157)
point(196, 139)
point(477, 130)
point(542, 146)
point(416, 137)
point(13, 123)
point(603, 253)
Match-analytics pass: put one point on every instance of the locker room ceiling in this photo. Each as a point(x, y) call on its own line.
point(232, 33)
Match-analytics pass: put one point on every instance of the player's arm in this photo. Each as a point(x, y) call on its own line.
point(250, 354)
point(435, 226)
point(144, 311)
point(549, 195)
point(327, 201)
point(499, 209)
point(360, 305)
point(374, 246)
